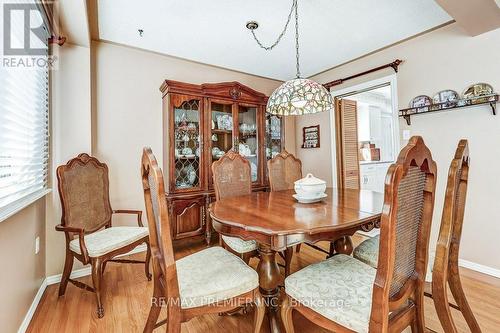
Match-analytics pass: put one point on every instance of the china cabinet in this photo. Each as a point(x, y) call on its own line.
point(200, 124)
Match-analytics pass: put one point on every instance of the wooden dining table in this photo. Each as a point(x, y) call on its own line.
point(277, 221)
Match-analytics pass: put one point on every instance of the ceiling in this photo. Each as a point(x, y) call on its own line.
point(332, 32)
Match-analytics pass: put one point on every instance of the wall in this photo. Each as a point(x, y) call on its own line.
point(22, 270)
point(317, 161)
point(70, 135)
point(443, 59)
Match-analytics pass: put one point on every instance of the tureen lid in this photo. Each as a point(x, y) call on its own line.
point(310, 180)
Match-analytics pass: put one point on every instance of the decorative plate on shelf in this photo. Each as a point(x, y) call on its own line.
point(445, 96)
point(477, 90)
point(420, 101)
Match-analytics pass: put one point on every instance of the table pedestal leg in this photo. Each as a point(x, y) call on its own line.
point(343, 245)
point(269, 278)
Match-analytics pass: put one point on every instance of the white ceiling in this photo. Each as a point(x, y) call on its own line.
point(213, 32)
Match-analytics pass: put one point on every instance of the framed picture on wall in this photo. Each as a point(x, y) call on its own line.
point(310, 137)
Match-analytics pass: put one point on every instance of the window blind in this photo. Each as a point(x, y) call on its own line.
point(24, 126)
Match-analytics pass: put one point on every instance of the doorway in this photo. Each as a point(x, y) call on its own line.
point(365, 134)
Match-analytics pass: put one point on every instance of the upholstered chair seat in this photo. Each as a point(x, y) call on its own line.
point(107, 240)
point(367, 251)
point(339, 288)
point(213, 275)
point(239, 245)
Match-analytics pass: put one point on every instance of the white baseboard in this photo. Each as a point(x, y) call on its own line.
point(479, 268)
point(31, 311)
point(53, 279)
point(469, 265)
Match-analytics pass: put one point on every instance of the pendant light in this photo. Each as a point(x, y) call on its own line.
point(298, 96)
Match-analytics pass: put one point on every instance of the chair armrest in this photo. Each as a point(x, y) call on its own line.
point(129, 211)
point(64, 228)
point(81, 239)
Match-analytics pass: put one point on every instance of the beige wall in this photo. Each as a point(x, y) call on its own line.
point(22, 270)
point(70, 135)
point(315, 160)
point(443, 59)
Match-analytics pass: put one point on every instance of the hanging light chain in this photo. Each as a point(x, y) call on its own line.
point(297, 54)
point(297, 37)
point(269, 48)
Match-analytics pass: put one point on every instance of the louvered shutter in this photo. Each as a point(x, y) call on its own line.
point(347, 144)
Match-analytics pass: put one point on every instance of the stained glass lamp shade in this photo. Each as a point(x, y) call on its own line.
point(298, 97)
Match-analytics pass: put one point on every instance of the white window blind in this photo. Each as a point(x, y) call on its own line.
point(24, 147)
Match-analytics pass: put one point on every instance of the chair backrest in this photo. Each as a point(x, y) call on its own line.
point(160, 237)
point(231, 176)
point(445, 271)
point(83, 186)
point(284, 169)
point(405, 228)
point(452, 219)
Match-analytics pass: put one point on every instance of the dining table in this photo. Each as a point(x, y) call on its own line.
point(277, 221)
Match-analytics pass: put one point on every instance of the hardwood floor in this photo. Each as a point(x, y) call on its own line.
point(127, 295)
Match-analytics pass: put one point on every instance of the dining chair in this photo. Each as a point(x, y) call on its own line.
point(83, 186)
point(232, 177)
point(445, 269)
point(343, 294)
point(283, 170)
point(209, 281)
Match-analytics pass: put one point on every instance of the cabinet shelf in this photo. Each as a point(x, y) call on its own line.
point(492, 100)
point(248, 135)
point(183, 157)
point(222, 131)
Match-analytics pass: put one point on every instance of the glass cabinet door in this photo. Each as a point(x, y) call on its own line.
point(187, 149)
point(221, 134)
point(274, 135)
point(248, 145)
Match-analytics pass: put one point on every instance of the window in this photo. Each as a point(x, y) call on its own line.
point(24, 147)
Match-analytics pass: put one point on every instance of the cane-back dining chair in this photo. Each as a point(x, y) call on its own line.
point(83, 186)
point(283, 170)
point(231, 178)
point(343, 294)
point(209, 281)
point(445, 271)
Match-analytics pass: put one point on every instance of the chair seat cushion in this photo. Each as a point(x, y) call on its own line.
point(239, 245)
point(339, 289)
point(367, 251)
point(213, 275)
point(108, 240)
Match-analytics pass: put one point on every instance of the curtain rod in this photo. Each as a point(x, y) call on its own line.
point(393, 64)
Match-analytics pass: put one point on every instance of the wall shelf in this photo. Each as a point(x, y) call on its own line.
point(492, 100)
